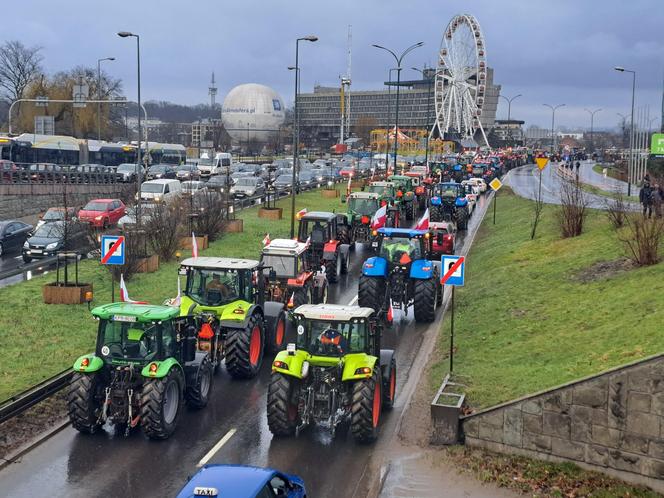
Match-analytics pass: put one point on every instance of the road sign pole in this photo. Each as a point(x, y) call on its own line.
point(495, 199)
point(452, 334)
point(112, 288)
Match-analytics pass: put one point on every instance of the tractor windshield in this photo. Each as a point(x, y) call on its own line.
point(284, 266)
point(449, 190)
point(363, 206)
point(400, 250)
point(212, 286)
point(381, 190)
point(317, 230)
point(325, 338)
point(129, 340)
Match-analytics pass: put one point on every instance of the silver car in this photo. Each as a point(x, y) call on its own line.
point(248, 187)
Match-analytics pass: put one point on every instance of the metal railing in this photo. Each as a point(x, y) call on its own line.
point(21, 402)
point(47, 174)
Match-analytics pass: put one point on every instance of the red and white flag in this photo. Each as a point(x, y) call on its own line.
point(266, 240)
point(379, 218)
point(348, 188)
point(177, 300)
point(124, 295)
point(291, 301)
point(194, 246)
point(301, 213)
point(390, 313)
point(423, 224)
point(308, 242)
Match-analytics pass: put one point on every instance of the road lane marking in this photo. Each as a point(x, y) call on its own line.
point(216, 447)
point(353, 301)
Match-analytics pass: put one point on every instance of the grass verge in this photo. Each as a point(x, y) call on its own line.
point(538, 313)
point(38, 340)
point(611, 171)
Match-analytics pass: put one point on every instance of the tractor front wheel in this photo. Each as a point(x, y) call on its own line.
point(198, 394)
point(84, 402)
point(344, 235)
point(426, 300)
point(366, 407)
point(436, 213)
point(371, 292)
point(244, 349)
point(282, 411)
point(462, 219)
point(161, 402)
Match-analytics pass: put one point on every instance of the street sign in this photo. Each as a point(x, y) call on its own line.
point(495, 184)
point(80, 93)
point(541, 162)
point(454, 270)
point(42, 101)
point(112, 250)
point(657, 144)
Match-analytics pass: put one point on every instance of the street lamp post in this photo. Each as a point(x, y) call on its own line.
point(509, 110)
point(553, 121)
point(630, 167)
point(296, 128)
point(99, 61)
point(139, 166)
point(396, 114)
point(387, 125)
point(592, 122)
point(428, 122)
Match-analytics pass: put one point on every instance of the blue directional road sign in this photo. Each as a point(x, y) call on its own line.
point(454, 270)
point(112, 250)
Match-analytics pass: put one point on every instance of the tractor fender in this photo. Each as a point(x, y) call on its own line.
point(94, 364)
point(290, 365)
point(228, 320)
point(461, 202)
point(191, 368)
point(374, 267)
point(272, 310)
point(386, 356)
point(435, 201)
point(344, 249)
point(163, 367)
point(330, 250)
point(356, 361)
point(422, 269)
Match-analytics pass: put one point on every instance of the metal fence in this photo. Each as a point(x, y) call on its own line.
point(12, 173)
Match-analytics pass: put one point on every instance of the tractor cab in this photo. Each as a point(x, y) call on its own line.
point(447, 193)
point(363, 205)
point(404, 183)
point(317, 227)
point(402, 246)
point(327, 241)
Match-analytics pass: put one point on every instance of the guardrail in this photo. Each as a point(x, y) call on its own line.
point(21, 402)
point(56, 174)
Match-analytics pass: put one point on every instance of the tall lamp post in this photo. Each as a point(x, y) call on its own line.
point(630, 167)
point(430, 81)
point(509, 109)
point(398, 58)
point(99, 61)
point(387, 125)
point(592, 123)
point(553, 122)
point(296, 128)
point(139, 166)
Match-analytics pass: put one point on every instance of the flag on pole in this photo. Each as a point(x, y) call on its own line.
point(301, 213)
point(194, 246)
point(390, 313)
point(308, 242)
point(177, 300)
point(266, 240)
point(124, 295)
point(379, 218)
point(291, 301)
point(423, 223)
point(348, 189)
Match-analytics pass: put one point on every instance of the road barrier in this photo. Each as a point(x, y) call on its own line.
point(21, 402)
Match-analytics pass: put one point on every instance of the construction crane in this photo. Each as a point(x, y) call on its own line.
point(345, 91)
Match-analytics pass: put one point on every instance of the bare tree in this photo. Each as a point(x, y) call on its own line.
point(616, 209)
point(210, 216)
point(573, 208)
point(19, 66)
point(165, 226)
point(643, 238)
point(538, 207)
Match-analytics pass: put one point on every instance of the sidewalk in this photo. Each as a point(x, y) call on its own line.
point(591, 177)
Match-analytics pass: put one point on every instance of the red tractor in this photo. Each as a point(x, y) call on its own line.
point(328, 242)
point(443, 238)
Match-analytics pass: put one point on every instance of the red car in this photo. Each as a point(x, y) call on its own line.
point(347, 171)
point(102, 212)
point(443, 238)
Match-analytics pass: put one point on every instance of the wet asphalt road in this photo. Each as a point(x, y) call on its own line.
point(105, 464)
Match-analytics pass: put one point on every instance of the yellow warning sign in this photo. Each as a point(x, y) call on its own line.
point(495, 184)
point(541, 162)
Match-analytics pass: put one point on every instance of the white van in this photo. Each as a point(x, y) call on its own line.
point(161, 190)
point(216, 166)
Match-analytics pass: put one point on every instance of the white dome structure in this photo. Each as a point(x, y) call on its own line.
point(252, 112)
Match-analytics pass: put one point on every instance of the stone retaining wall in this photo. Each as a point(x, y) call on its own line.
point(612, 422)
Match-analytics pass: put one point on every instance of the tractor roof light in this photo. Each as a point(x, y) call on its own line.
point(153, 368)
point(85, 362)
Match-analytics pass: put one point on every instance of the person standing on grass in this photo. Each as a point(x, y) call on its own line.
point(658, 198)
point(646, 198)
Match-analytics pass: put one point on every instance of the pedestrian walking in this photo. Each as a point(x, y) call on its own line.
point(658, 199)
point(646, 198)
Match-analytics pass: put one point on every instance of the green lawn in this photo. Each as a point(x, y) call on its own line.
point(526, 322)
point(610, 171)
point(39, 340)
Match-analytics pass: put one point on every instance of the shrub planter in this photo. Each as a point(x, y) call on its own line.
point(55, 293)
point(330, 194)
point(235, 226)
point(148, 265)
point(445, 412)
point(271, 213)
point(201, 242)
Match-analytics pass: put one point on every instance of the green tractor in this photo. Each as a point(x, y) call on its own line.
point(144, 366)
point(387, 192)
point(238, 324)
point(406, 193)
point(361, 208)
point(335, 374)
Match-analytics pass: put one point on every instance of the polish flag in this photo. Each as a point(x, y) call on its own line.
point(379, 218)
point(266, 240)
point(348, 188)
point(423, 224)
point(308, 242)
point(390, 313)
point(291, 301)
point(194, 246)
point(301, 213)
point(124, 295)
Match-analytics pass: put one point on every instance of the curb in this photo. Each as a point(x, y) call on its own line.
point(15, 456)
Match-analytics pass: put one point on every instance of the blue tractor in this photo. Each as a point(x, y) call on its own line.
point(448, 202)
point(401, 273)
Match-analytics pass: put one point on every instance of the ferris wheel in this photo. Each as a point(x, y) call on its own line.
point(461, 79)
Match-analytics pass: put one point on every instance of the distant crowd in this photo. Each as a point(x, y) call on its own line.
point(651, 196)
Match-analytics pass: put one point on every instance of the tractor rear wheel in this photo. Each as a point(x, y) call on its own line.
point(345, 262)
point(333, 269)
point(278, 337)
point(343, 234)
point(425, 300)
point(462, 219)
point(303, 295)
point(410, 211)
point(390, 387)
point(282, 410)
point(198, 394)
point(371, 292)
point(244, 349)
point(161, 403)
point(366, 407)
point(84, 402)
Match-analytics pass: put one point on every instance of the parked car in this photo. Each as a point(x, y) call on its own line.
point(43, 172)
point(283, 182)
point(242, 481)
point(217, 182)
point(187, 172)
point(306, 180)
point(102, 213)
point(161, 190)
point(127, 172)
point(130, 215)
point(10, 172)
point(13, 234)
point(347, 170)
point(57, 214)
point(161, 171)
point(248, 187)
point(95, 173)
point(193, 187)
point(50, 238)
point(241, 174)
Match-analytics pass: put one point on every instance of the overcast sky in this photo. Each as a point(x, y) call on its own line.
point(551, 51)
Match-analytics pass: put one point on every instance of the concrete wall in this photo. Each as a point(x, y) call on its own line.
point(17, 201)
point(612, 422)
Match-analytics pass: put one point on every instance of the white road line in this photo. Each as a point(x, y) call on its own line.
point(216, 447)
point(353, 301)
